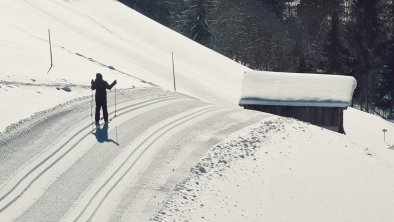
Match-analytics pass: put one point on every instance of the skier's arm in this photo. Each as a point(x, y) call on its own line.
point(93, 87)
point(112, 85)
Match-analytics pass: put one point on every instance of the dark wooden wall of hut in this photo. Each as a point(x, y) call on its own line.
point(321, 116)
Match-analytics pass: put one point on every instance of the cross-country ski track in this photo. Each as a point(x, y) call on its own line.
point(58, 167)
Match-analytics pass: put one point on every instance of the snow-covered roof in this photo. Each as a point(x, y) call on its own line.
point(294, 89)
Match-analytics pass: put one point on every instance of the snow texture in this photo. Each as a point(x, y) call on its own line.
point(285, 170)
point(292, 89)
point(278, 170)
point(103, 36)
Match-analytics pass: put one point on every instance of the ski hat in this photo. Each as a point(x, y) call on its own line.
point(99, 76)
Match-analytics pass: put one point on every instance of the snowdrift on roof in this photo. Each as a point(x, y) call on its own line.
point(293, 89)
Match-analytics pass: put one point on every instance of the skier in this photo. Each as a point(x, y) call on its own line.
point(101, 87)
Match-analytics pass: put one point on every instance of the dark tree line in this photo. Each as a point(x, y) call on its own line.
point(344, 37)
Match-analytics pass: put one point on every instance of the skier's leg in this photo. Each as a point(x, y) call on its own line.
point(105, 112)
point(98, 107)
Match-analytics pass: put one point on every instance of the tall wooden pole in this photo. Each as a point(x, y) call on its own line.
point(50, 46)
point(173, 71)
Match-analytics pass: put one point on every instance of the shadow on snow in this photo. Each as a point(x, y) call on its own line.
point(102, 134)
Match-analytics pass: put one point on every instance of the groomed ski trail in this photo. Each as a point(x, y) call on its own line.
point(77, 178)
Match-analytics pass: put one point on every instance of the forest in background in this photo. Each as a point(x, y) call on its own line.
point(344, 37)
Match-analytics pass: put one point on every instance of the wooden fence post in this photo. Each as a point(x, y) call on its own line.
point(50, 49)
point(173, 71)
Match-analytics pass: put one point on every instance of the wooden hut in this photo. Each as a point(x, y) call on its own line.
point(314, 98)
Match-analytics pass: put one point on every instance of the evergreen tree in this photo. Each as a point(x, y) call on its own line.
point(334, 52)
point(157, 10)
point(363, 36)
point(313, 12)
point(386, 84)
point(200, 31)
point(129, 3)
point(303, 66)
point(277, 6)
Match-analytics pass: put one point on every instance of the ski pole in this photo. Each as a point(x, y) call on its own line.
point(91, 110)
point(91, 107)
point(115, 101)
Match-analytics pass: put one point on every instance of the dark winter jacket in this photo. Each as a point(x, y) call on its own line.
point(101, 87)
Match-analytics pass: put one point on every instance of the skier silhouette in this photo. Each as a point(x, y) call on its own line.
point(101, 87)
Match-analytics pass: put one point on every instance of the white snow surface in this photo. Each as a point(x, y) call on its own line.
point(90, 36)
point(285, 170)
point(366, 130)
point(278, 170)
point(292, 89)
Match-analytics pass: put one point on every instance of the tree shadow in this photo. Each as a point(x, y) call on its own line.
point(102, 134)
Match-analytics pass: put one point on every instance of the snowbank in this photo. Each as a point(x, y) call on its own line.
point(285, 170)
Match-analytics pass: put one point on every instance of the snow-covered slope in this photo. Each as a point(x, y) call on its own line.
point(278, 170)
point(90, 36)
point(366, 130)
point(286, 170)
